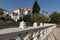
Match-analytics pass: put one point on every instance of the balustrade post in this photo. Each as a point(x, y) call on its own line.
point(41, 34)
point(45, 32)
point(22, 25)
point(27, 36)
point(35, 35)
point(34, 24)
point(41, 24)
point(48, 29)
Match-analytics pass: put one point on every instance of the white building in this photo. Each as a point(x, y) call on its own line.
point(20, 12)
point(5, 12)
point(2, 15)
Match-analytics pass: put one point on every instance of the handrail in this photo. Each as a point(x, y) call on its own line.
point(14, 30)
point(38, 32)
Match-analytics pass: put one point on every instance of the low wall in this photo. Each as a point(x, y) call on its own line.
point(8, 24)
point(12, 24)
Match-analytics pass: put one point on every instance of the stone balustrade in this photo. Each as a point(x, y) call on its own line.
point(22, 25)
point(31, 33)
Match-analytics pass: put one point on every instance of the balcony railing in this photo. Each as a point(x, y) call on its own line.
point(27, 33)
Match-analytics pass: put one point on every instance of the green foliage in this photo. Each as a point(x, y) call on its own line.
point(35, 8)
point(20, 19)
point(55, 17)
point(8, 18)
point(35, 18)
point(27, 18)
point(1, 11)
point(30, 36)
point(38, 18)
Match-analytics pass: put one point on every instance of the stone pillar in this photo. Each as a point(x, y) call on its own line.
point(35, 35)
point(27, 37)
point(41, 34)
point(34, 24)
point(45, 32)
point(41, 24)
point(22, 25)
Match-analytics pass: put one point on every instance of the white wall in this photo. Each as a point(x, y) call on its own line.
point(5, 12)
point(21, 13)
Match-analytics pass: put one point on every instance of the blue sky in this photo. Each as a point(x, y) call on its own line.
point(47, 5)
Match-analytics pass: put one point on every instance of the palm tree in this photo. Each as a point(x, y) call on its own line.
point(45, 12)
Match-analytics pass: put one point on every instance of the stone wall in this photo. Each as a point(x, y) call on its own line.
point(8, 24)
point(12, 24)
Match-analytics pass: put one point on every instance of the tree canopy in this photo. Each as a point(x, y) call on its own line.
point(38, 18)
point(8, 18)
point(27, 18)
point(36, 7)
point(55, 17)
point(1, 11)
point(35, 18)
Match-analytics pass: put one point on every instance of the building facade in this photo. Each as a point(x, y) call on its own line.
point(3, 13)
point(20, 12)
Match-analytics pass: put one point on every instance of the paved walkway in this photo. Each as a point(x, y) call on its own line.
point(57, 33)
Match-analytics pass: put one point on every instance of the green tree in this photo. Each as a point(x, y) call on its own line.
point(20, 19)
point(38, 18)
point(35, 8)
point(8, 18)
point(27, 18)
point(43, 11)
point(47, 17)
point(46, 13)
point(1, 11)
point(55, 17)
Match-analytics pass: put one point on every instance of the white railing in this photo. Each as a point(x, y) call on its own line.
point(31, 33)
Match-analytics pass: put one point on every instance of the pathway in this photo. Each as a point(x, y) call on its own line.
point(57, 33)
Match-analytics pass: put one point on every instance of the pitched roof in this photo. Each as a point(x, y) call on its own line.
point(26, 8)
